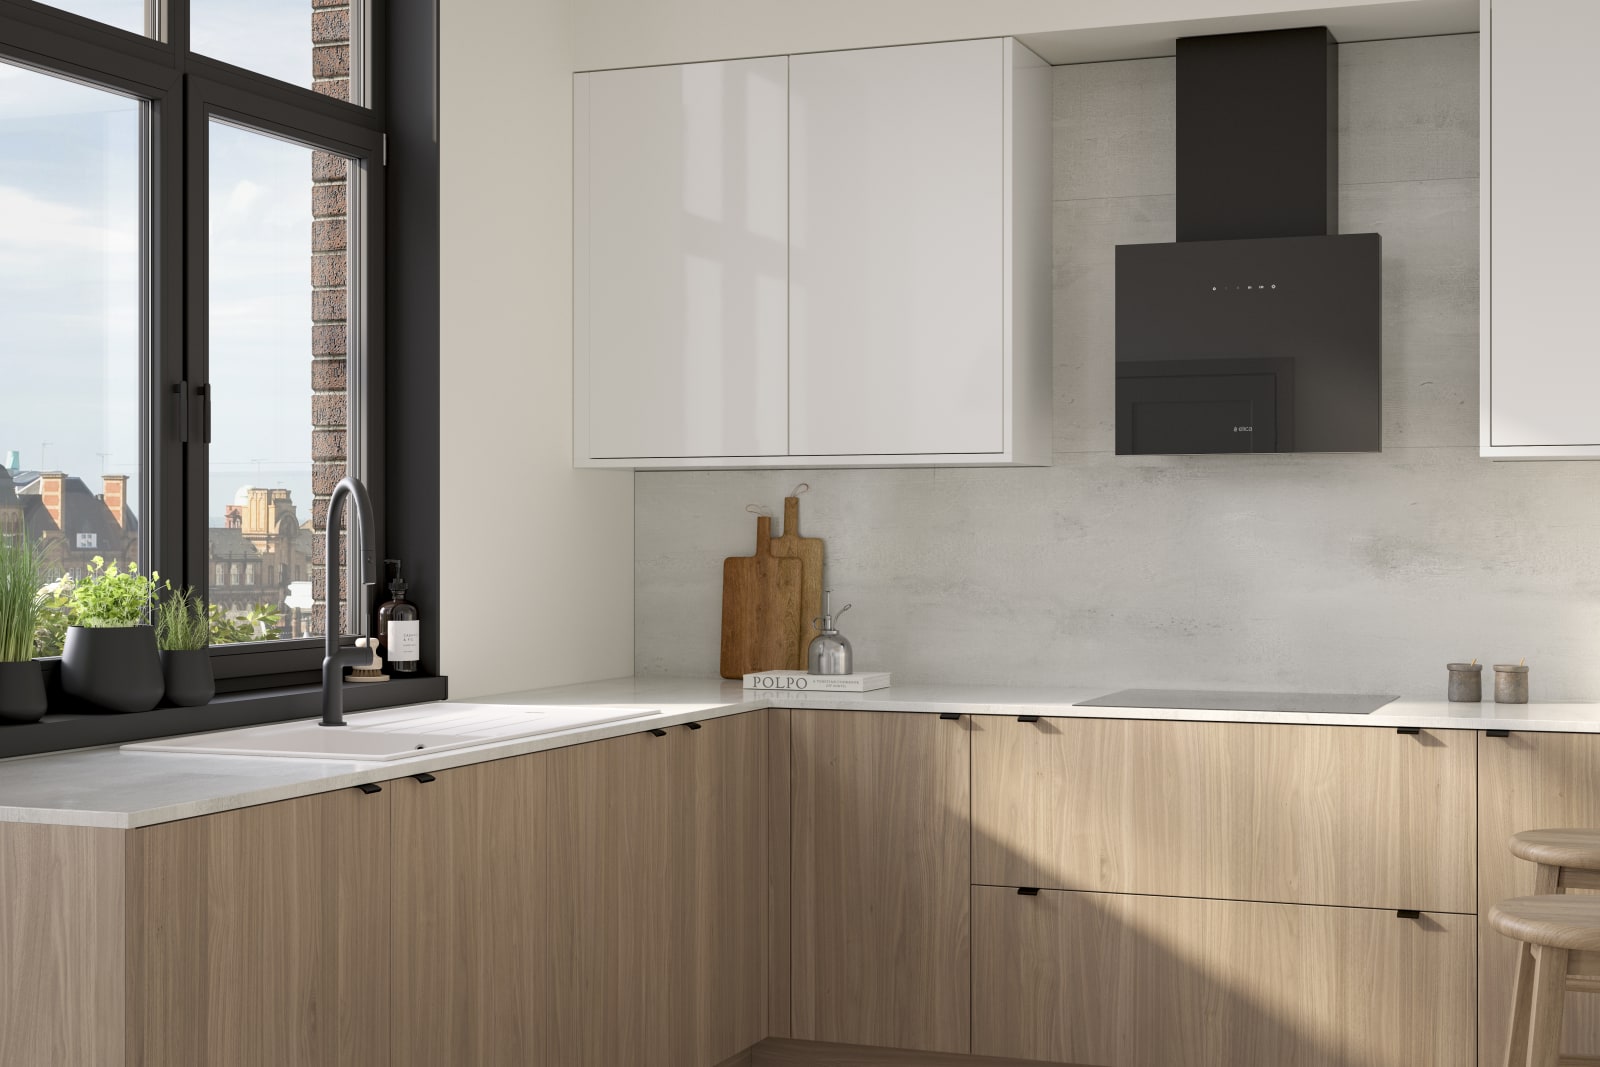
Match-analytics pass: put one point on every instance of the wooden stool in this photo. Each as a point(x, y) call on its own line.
point(1560, 950)
point(1567, 859)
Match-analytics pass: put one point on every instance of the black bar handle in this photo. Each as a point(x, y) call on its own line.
point(658, 732)
point(949, 716)
point(1408, 913)
point(370, 788)
point(692, 725)
point(1498, 733)
point(1027, 718)
point(1408, 729)
point(1028, 891)
point(205, 396)
point(424, 777)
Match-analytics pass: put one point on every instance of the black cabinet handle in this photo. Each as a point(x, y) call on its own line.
point(692, 725)
point(1498, 733)
point(1027, 718)
point(1408, 913)
point(1408, 729)
point(1028, 891)
point(370, 787)
point(949, 716)
point(658, 732)
point(424, 777)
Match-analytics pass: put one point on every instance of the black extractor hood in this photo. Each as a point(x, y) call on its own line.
point(1260, 329)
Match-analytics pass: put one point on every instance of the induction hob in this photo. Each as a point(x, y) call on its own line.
point(1219, 700)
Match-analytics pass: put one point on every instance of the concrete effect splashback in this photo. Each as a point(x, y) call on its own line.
point(1332, 572)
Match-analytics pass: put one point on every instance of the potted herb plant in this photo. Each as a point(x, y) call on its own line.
point(110, 658)
point(22, 695)
point(183, 633)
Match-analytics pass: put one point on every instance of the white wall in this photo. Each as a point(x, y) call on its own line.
point(537, 557)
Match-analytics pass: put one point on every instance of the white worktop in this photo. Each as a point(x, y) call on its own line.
point(110, 787)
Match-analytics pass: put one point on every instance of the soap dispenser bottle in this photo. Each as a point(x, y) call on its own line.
point(399, 626)
point(830, 650)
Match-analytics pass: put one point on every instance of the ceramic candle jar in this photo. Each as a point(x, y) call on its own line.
point(1510, 683)
point(1466, 683)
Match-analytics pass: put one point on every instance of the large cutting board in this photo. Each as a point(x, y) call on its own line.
point(808, 550)
point(760, 609)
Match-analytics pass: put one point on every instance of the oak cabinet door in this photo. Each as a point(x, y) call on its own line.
point(881, 879)
point(261, 936)
point(472, 936)
point(1136, 981)
point(1528, 781)
point(1350, 816)
point(616, 996)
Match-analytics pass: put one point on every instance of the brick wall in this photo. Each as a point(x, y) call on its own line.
point(330, 70)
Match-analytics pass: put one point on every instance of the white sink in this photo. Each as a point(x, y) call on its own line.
point(395, 733)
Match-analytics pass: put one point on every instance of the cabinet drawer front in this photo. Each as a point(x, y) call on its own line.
point(1129, 981)
point(1353, 816)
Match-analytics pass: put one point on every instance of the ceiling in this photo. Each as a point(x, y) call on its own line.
point(1366, 22)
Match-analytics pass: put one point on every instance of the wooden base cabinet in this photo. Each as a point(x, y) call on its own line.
point(1134, 981)
point(881, 882)
point(1528, 781)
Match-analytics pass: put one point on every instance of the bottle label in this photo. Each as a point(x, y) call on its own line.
point(404, 642)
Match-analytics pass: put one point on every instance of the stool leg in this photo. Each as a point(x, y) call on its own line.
point(1546, 879)
point(1521, 1008)
point(1549, 999)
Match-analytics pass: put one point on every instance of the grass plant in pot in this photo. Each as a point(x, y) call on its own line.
point(183, 632)
point(22, 695)
point(110, 658)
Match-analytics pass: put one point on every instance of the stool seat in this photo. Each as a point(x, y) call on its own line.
point(1559, 848)
point(1559, 921)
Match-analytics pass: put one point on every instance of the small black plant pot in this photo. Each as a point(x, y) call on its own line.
point(190, 682)
point(115, 667)
point(22, 697)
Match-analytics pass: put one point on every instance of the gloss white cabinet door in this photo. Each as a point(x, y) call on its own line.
point(681, 262)
point(901, 172)
point(1541, 227)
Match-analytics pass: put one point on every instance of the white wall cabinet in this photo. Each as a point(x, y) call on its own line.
point(852, 272)
point(681, 266)
point(1541, 225)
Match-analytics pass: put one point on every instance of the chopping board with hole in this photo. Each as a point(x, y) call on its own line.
point(808, 550)
point(761, 622)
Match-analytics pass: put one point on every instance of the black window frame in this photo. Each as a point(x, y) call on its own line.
point(393, 372)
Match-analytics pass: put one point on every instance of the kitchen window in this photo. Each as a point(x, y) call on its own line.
point(192, 296)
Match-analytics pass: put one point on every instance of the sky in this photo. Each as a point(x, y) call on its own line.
point(69, 266)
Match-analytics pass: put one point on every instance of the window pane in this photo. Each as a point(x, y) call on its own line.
point(306, 42)
point(279, 279)
point(127, 15)
point(70, 318)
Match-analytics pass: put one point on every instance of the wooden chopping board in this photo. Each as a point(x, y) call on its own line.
point(761, 622)
point(808, 550)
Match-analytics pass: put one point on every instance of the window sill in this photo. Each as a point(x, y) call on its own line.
point(59, 732)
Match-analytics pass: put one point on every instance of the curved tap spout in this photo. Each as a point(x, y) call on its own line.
point(335, 658)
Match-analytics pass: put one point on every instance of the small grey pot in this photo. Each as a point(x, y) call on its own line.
point(22, 695)
point(189, 680)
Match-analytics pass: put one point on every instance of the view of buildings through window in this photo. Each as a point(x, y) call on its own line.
point(71, 322)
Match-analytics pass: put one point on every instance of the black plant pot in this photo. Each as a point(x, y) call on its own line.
point(190, 682)
point(114, 667)
point(22, 697)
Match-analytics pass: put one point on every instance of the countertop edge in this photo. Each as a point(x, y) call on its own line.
point(682, 701)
